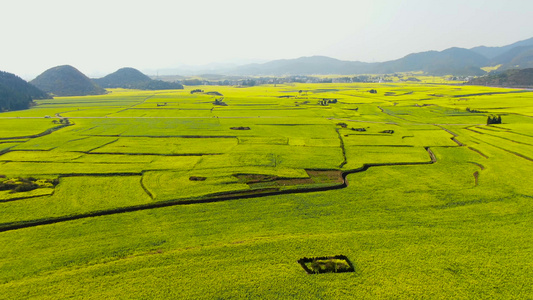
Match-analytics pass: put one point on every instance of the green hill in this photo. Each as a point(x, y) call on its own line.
point(16, 93)
point(123, 78)
point(130, 78)
point(66, 81)
point(509, 78)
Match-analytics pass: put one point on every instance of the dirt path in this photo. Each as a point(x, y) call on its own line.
point(491, 93)
point(345, 161)
point(46, 132)
point(476, 173)
point(398, 123)
point(395, 116)
point(478, 152)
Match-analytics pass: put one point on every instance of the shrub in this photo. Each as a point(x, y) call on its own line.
point(7, 185)
point(22, 184)
point(331, 264)
point(24, 187)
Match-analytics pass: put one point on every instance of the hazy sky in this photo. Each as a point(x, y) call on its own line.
point(101, 36)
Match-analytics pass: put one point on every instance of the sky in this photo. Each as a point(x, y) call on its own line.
point(100, 36)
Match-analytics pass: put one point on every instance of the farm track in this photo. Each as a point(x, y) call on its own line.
point(501, 148)
point(474, 131)
point(448, 131)
point(101, 146)
point(101, 174)
point(151, 154)
point(476, 173)
point(510, 131)
point(345, 160)
point(508, 139)
point(252, 117)
point(457, 142)
point(491, 93)
point(482, 167)
point(410, 123)
point(133, 106)
point(392, 115)
point(512, 152)
point(171, 136)
point(46, 132)
point(476, 177)
point(219, 197)
point(146, 190)
point(6, 150)
point(140, 117)
point(454, 136)
point(478, 152)
point(23, 198)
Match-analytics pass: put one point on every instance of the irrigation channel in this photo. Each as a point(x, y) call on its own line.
point(214, 198)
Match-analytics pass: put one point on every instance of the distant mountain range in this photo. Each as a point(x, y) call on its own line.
point(68, 81)
point(452, 61)
point(16, 93)
point(493, 52)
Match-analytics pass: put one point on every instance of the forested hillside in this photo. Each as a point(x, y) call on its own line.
point(16, 93)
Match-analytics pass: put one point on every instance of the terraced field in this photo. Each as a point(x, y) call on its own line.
point(166, 194)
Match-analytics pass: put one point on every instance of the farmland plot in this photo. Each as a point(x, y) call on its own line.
point(165, 194)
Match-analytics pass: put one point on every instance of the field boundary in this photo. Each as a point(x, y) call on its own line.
point(46, 132)
point(200, 200)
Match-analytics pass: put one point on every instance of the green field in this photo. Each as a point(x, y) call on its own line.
point(163, 194)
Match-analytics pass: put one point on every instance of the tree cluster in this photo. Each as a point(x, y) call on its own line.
point(158, 85)
point(326, 102)
point(468, 109)
point(220, 102)
point(249, 82)
point(192, 82)
point(494, 119)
